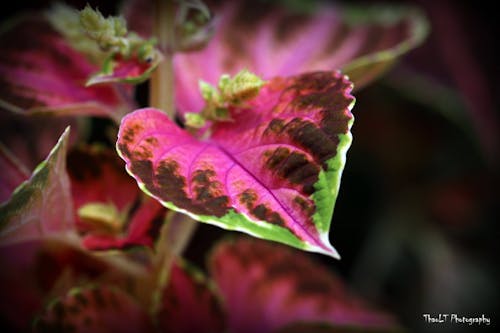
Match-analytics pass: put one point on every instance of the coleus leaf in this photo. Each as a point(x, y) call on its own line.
point(267, 286)
point(127, 70)
point(97, 178)
point(189, 304)
point(94, 309)
point(40, 72)
point(271, 41)
point(273, 173)
point(35, 271)
point(41, 205)
point(140, 229)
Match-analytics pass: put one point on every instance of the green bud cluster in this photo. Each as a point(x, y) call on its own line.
point(111, 34)
point(89, 32)
point(230, 91)
point(66, 20)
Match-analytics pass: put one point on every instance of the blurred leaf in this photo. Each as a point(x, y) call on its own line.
point(270, 39)
point(388, 32)
point(267, 286)
point(98, 178)
point(188, 304)
point(126, 70)
point(96, 309)
point(36, 271)
point(41, 73)
point(42, 205)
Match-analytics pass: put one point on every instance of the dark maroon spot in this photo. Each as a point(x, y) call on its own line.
point(305, 206)
point(275, 127)
point(170, 184)
point(335, 123)
point(143, 170)
point(123, 148)
point(208, 194)
point(307, 136)
point(130, 132)
point(248, 198)
point(299, 170)
point(218, 206)
point(152, 141)
point(276, 157)
point(143, 153)
point(263, 213)
point(208, 191)
point(315, 82)
point(205, 185)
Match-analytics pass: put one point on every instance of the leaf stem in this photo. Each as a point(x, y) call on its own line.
point(162, 88)
point(178, 230)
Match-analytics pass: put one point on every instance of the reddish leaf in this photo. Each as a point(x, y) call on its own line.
point(274, 172)
point(189, 305)
point(94, 309)
point(34, 271)
point(267, 286)
point(128, 70)
point(141, 229)
point(40, 72)
point(97, 176)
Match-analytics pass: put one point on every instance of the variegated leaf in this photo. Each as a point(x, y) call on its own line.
point(274, 172)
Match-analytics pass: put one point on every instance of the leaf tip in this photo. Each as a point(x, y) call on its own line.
point(327, 249)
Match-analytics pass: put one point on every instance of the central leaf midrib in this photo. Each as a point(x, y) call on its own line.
point(235, 161)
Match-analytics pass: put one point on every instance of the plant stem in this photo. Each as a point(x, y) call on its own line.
point(162, 88)
point(178, 229)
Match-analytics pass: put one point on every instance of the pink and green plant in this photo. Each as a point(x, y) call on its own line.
point(247, 128)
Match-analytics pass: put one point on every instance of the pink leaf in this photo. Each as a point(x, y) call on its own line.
point(267, 286)
point(274, 172)
point(40, 72)
point(127, 70)
point(189, 305)
point(270, 40)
